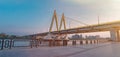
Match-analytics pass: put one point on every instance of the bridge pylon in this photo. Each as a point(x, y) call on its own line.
point(62, 22)
point(56, 21)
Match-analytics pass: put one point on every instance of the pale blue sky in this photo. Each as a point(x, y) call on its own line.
point(24, 17)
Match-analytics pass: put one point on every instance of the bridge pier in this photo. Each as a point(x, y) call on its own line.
point(91, 42)
point(115, 35)
point(81, 42)
point(65, 42)
point(86, 42)
point(74, 42)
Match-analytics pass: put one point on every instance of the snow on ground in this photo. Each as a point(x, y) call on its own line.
point(91, 50)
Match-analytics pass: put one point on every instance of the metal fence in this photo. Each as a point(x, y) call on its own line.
point(8, 43)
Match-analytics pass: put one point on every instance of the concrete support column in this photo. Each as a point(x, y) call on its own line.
point(74, 42)
point(118, 36)
point(94, 41)
point(81, 42)
point(31, 43)
point(91, 42)
point(50, 43)
point(86, 42)
point(65, 42)
point(115, 35)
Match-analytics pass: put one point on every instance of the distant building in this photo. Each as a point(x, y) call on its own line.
point(76, 37)
point(3, 35)
point(92, 37)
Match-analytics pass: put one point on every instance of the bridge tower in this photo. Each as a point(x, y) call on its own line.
point(54, 18)
point(56, 21)
point(56, 41)
point(62, 22)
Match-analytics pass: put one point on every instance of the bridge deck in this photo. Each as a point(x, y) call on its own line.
point(85, 29)
point(92, 50)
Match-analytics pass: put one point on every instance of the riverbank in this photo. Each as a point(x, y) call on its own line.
point(91, 50)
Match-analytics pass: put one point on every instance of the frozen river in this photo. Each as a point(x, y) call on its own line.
point(91, 50)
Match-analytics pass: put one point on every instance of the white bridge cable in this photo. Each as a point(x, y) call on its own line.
point(75, 20)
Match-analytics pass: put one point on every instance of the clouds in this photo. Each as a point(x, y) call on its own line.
point(91, 4)
point(81, 1)
point(107, 9)
point(105, 5)
point(88, 2)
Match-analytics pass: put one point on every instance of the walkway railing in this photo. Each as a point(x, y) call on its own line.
point(8, 43)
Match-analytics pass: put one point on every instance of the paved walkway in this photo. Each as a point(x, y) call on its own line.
point(91, 50)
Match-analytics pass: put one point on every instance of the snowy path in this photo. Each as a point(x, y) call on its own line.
point(91, 50)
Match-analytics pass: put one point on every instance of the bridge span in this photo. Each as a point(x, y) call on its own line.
point(113, 27)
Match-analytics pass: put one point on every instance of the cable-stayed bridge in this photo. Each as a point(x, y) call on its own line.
point(59, 37)
point(113, 27)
